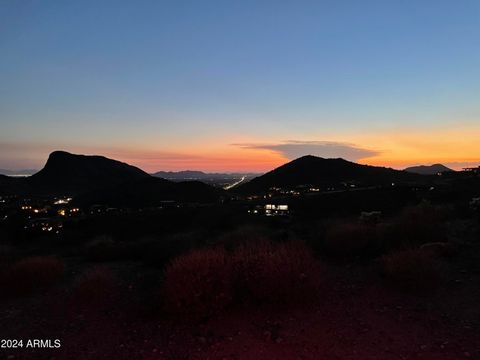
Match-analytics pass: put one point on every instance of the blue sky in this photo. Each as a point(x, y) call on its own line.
point(154, 81)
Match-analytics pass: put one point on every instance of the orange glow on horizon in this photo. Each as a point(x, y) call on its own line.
point(225, 160)
point(454, 146)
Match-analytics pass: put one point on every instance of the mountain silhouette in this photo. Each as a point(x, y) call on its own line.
point(67, 173)
point(317, 171)
point(99, 180)
point(428, 169)
point(185, 174)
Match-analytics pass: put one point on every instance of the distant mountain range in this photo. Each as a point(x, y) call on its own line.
point(316, 171)
point(97, 179)
point(428, 169)
point(26, 172)
point(187, 175)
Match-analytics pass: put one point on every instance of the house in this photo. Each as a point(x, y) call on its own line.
point(276, 210)
point(269, 210)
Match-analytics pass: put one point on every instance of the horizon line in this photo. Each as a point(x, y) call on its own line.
point(450, 164)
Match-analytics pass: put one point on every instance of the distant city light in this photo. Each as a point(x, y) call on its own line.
point(62, 201)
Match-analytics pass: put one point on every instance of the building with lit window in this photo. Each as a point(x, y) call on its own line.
point(276, 210)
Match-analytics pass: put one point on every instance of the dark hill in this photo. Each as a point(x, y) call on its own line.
point(4, 179)
point(316, 171)
point(12, 186)
point(428, 169)
point(99, 180)
point(150, 191)
point(72, 174)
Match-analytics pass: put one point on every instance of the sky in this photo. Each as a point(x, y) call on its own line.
point(240, 85)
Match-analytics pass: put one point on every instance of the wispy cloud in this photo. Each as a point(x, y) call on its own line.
point(293, 149)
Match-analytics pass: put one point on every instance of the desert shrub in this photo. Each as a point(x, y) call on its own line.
point(312, 232)
point(95, 288)
point(198, 284)
point(32, 274)
point(413, 270)
point(414, 226)
point(245, 234)
point(102, 248)
point(204, 282)
point(161, 251)
point(349, 238)
point(276, 273)
point(153, 250)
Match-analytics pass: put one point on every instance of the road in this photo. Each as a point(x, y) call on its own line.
point(228, 187)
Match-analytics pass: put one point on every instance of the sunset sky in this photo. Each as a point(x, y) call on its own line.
point(240, 85)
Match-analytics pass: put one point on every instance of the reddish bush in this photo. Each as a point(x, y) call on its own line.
point(412, 270)
point(95, 288)
point(204, 282)
point(198, 284)
point(32, 274)
point(349, 238)
point(276, 273)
